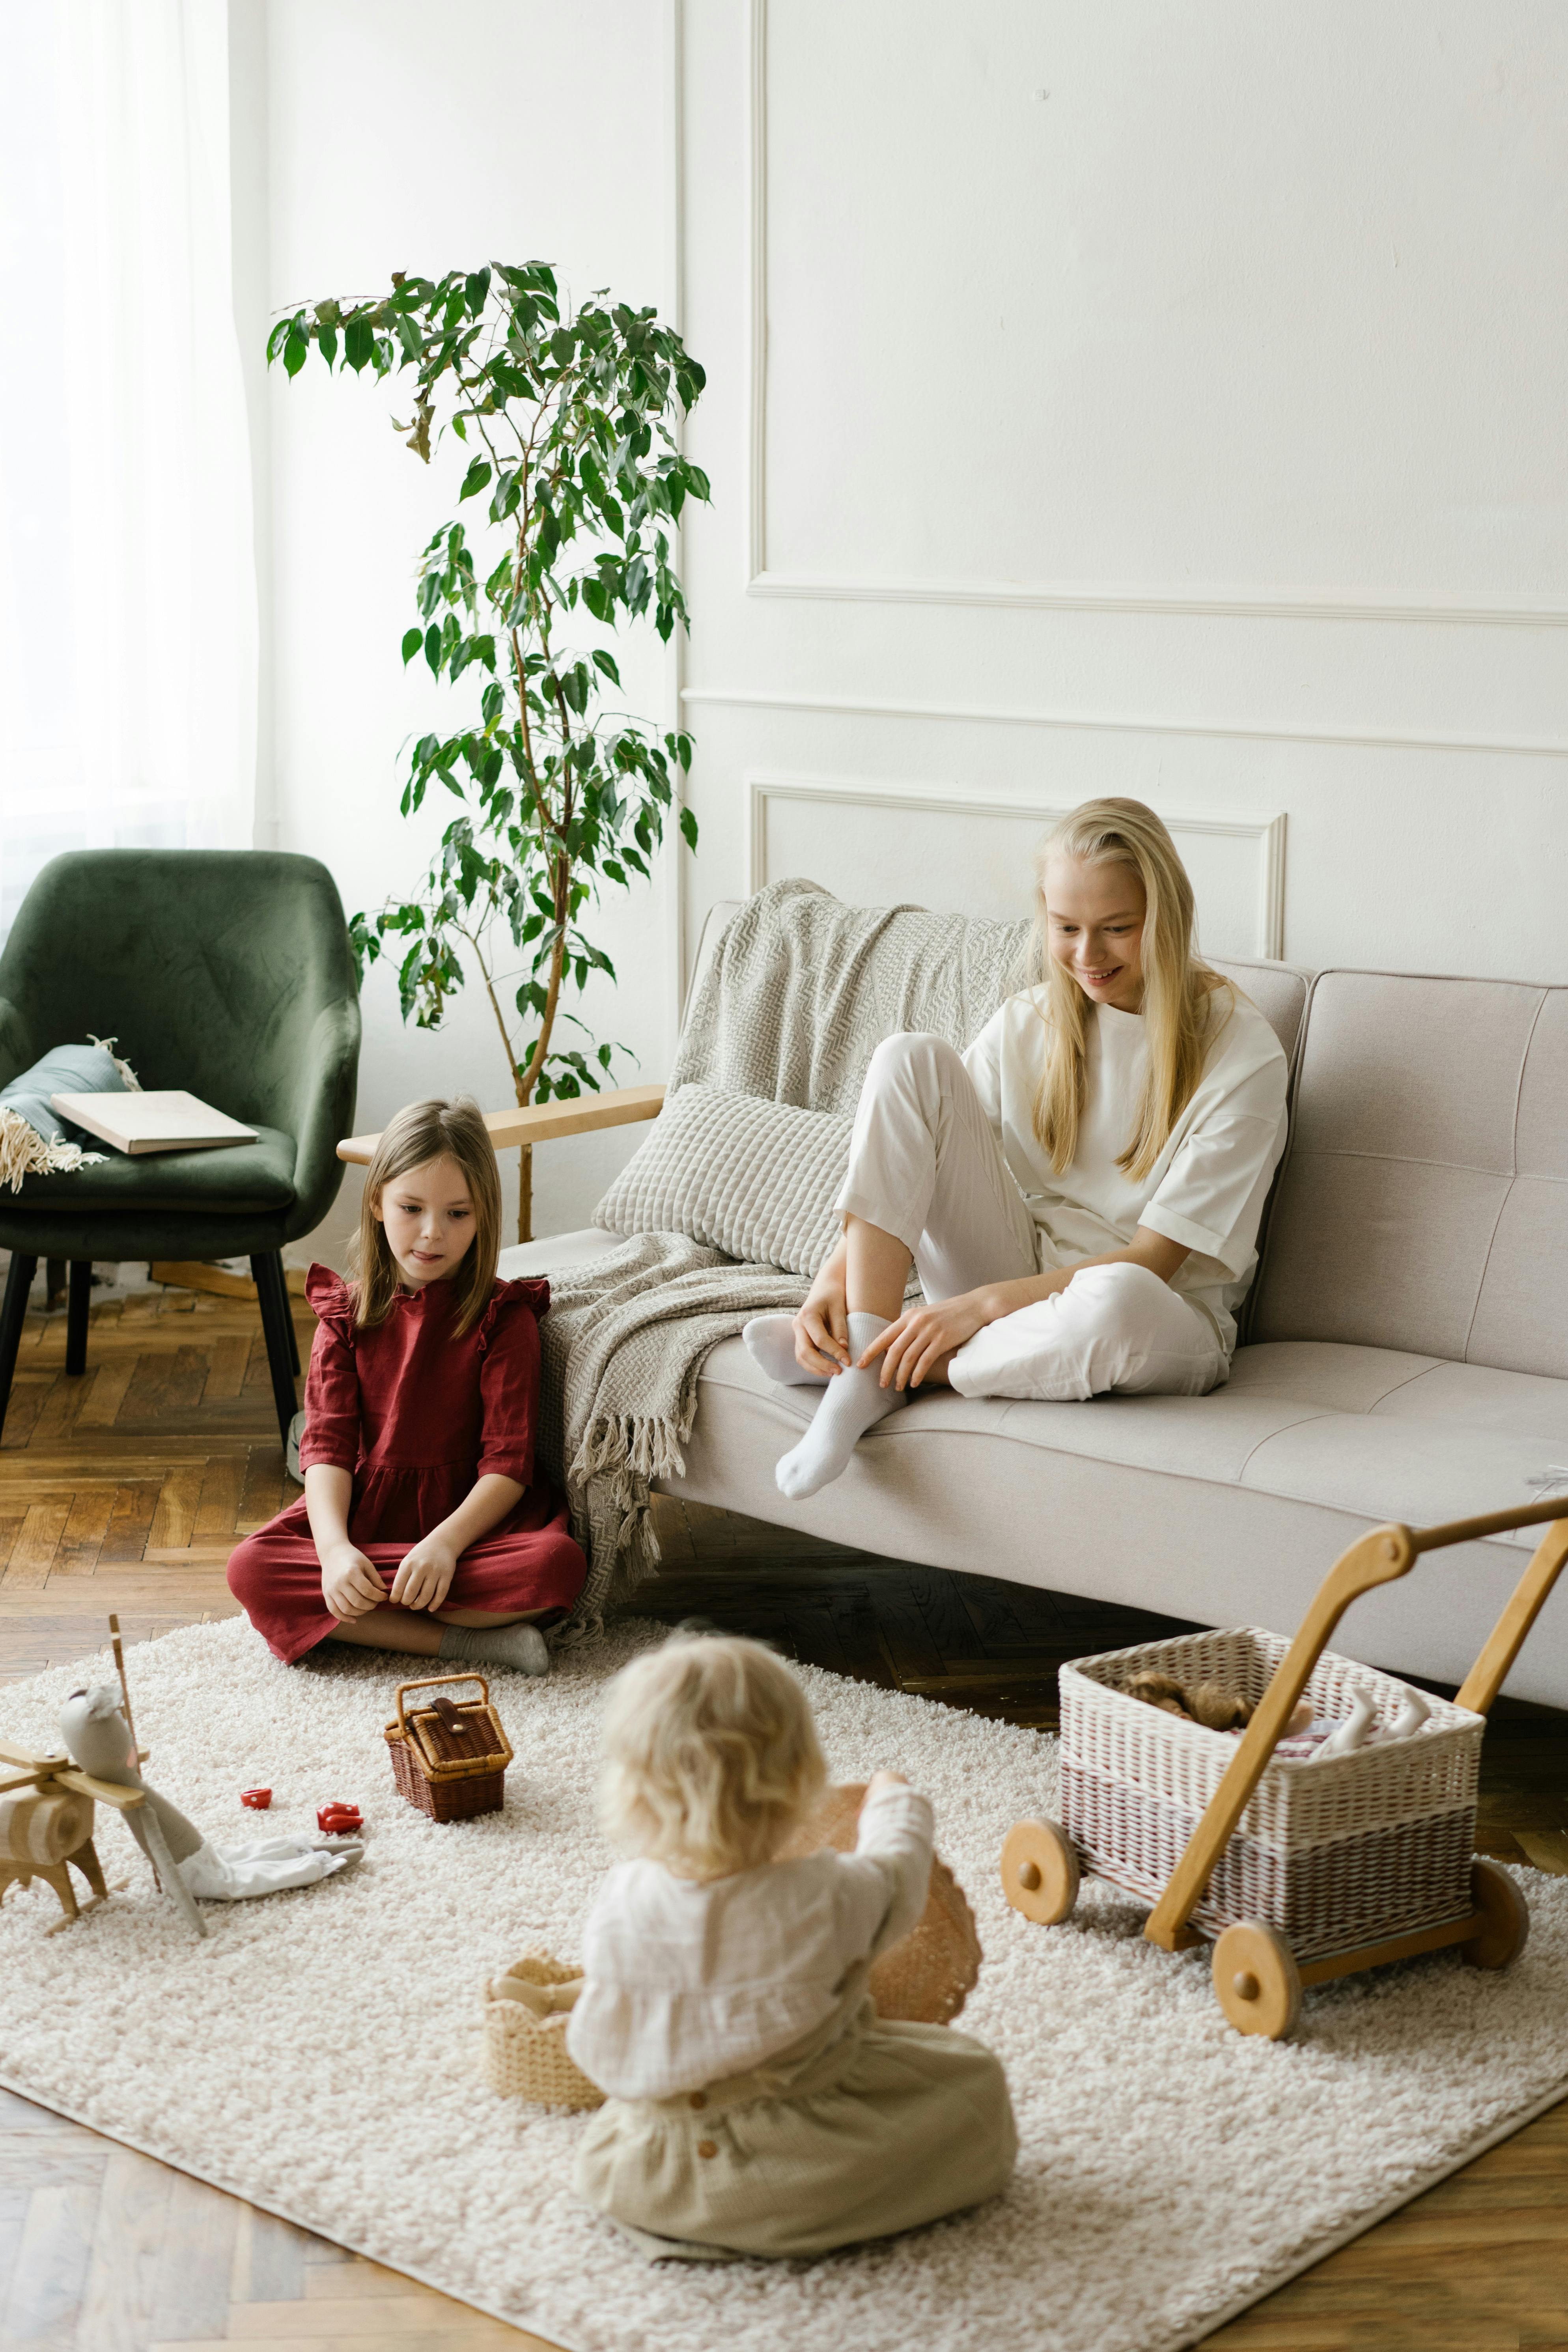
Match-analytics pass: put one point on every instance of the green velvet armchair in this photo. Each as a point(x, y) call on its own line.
point(227, 973)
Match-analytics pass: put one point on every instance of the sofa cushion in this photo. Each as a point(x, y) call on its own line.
point(1422, 1201)
point(753, 1178)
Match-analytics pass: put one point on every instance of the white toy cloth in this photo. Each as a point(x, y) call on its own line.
point(263, 1866)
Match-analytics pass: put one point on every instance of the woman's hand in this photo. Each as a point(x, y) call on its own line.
point(822, 1326)
point(924, 1336)
point(349, 1586)
point(881, 1781)
point(425, 1577)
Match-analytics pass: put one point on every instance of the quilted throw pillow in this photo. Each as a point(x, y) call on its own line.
point(752, 1178)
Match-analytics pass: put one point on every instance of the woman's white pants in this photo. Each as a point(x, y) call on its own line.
point(925, 1165)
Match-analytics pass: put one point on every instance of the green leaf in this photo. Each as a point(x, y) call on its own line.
point(605, 662)
point(358, 342)
point(475, 478)
point(412, 641)
point(295, 349)
point(433, 650)
point(689, 828)
point(475, 291)
point(327, 340)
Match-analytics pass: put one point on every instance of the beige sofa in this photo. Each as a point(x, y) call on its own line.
point(1404, 1356)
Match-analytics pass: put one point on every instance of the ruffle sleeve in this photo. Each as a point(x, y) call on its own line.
point(331, 1434)
point(508, 1379)
point(509, 1299)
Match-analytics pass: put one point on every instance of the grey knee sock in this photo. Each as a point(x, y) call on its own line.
point(521, 1647)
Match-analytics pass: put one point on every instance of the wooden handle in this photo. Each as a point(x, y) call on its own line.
point(1505, 1640)
point(430, 1682)
point(1380, 1558)
point(1490, 1523)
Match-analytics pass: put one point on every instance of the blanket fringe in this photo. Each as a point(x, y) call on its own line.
point(25, 1152)
point(127, 1077)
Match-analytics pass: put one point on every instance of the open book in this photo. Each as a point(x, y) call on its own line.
point(166, 1120)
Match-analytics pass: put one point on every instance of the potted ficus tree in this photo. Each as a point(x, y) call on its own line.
point(569, 417)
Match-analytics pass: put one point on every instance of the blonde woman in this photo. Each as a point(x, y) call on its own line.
point(757, 2104)
point(422, 1528)
point(1079, 1192)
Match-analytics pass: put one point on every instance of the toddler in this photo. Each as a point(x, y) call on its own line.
point(757, 2104)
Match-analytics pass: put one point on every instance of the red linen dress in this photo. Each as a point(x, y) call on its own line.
point(418, 1414)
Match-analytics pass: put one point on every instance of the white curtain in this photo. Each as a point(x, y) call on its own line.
point(128, 620)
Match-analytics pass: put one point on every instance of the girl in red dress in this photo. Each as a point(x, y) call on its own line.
point(422, 1528)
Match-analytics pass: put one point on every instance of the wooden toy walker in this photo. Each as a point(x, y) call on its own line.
point(1300, 1869)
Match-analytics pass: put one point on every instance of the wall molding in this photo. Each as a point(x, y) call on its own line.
point(1061, 596)
point(1118, 723)
point(763, 787)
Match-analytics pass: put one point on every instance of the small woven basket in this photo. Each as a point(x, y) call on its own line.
point(450, 1760)
point(926, 1976)
point(1332, 1852)
point(526, 2056)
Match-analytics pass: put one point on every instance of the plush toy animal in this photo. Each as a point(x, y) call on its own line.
point(94, 1728)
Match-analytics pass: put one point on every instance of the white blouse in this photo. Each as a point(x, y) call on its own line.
point(686, 1984)
point(1206, 1189)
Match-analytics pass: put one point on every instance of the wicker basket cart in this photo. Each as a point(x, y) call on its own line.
point(1297, 1870)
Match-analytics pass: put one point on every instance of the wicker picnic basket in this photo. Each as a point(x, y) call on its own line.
point(450, 1760)
point(526, 2056)
point(1332, 1852)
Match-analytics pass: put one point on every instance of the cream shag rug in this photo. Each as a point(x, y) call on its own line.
point(320, 2053)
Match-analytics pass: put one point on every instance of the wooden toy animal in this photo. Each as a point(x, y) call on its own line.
point(47, 1811)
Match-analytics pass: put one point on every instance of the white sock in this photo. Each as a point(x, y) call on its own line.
point(521, 1647)
point(771, 1339)
point(852, 1403)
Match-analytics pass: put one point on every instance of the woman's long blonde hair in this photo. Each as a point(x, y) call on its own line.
point(1182, 996)
point(711, 1756)
point(430, 1131)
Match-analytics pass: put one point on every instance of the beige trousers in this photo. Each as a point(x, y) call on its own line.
point(925, 1165)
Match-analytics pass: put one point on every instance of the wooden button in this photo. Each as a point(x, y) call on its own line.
point(707, 2147)
point(699, 2098)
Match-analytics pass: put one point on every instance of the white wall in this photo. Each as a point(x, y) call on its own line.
point(399, 138)
point(1165, 400)
point(1155, 400)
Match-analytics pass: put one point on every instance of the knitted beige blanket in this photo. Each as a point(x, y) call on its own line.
point(799, 993)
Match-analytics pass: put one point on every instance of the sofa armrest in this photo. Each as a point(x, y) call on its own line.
point(543, 1122)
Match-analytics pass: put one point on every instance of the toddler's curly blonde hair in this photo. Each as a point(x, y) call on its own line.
point(711, 1756)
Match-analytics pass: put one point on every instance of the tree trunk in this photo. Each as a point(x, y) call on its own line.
point(525, 1193)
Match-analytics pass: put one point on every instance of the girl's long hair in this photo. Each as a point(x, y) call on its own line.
point(426, 1131)
point(1183, 1000)
point(711, 1756)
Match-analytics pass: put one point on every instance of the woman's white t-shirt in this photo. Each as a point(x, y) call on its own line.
point(1207, 1188)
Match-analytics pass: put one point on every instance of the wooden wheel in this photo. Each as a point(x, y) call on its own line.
point(1039, 1872)
point(1495, 1893)
point(1255, 1980)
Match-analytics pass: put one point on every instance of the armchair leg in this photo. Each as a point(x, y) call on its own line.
point(272, 1293)
point(78, 1301)
point(18, 1283)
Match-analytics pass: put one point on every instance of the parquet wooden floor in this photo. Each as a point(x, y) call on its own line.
point(126, 1489)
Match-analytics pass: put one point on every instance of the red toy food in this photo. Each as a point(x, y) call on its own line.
point(258, 1798)
point(337, 1819)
